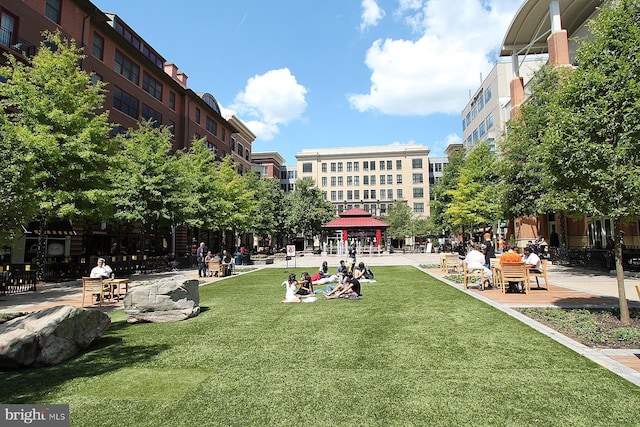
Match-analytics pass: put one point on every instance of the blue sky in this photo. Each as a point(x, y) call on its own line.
point(331, 73)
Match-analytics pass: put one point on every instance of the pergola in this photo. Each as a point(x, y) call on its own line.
point(358, 223)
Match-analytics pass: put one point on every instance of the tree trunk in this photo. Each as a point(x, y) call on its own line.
point(41, 257)
point(622, 294)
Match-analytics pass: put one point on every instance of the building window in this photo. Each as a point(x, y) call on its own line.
point(333, 167)
point(172, 101)
point(333, 196)
point(475, 134)
point(149, 113)
point(340, 181)
point(172, 128)
point(372, 165)
point(399, 179)
point(382, 180)
point(240, 149)
point(418, 193)
point(339, 166)
point(398, 193)
point(487, 94)
point(398, 165)
point(438, 167)
point(95, 78)
point(366, 194)
point(124, 102)
point(324, 168)
point(333, 181)
point(246, 154)
point(482, 129)
point(349, 195)
point(372, 180)
point(233, 149)
point(418, 178)
point(389, 165)
point(489, 121)
point(356, 180)
point(356, 166)
point(382, 162)
point(198, 117)
point(356, 194)
point(98, 46)
point(349, 180)
point(365, 180)
point(324, 181)
point(416, 163)
point(152, 86)
point(211, 126)
point(126, 67)
point(307, 167)
point(373, 194)
point(365, 166)
point(418, 208)
point(349, 166)
point(340, 195)
point(53, 9)
point(389, 179)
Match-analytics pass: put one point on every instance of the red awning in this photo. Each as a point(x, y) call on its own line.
point(355, 222)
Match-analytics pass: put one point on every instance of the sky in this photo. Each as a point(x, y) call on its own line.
point(331, 73)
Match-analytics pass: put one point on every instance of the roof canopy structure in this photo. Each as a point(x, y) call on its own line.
point(531, 25)
point(355, 219)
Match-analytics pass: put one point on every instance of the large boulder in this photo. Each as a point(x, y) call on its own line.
point(49, 336)
point(167, 300)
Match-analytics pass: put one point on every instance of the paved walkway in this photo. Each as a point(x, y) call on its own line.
point(570, 287)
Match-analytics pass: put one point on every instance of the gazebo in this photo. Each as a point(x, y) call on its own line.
point(358, 224)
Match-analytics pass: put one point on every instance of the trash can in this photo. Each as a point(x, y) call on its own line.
point(238, 258)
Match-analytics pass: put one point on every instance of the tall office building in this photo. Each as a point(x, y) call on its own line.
point(370, 178)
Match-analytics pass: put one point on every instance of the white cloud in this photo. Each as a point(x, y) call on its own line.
point(269, 101)
point(435, 72)
point(371, 14)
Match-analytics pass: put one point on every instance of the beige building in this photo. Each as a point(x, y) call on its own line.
point(370, 178)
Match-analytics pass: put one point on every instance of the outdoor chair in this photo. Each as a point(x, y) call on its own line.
point(452, 262)
point(495, 271)
point(214, 268)
point(476, 273)
point(94, 287)
point(542, 274)
point(443, 262)
point(514, 272)
point(638, 290)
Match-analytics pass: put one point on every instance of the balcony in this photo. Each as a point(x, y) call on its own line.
point(15, 44)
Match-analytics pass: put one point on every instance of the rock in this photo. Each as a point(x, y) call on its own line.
point(167, 300)
point(50, 336)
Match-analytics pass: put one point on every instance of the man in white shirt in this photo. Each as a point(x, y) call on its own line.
point(531, 260)
point(475, 261)
point(102, 270)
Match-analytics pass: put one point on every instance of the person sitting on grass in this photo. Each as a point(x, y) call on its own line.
point(363, 274)
point(291, 284)
point(306, 286)
point(350, 289)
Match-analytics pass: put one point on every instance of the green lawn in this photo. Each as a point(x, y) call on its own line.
point(412, 351)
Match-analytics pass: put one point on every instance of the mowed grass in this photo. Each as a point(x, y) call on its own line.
point(412, 351)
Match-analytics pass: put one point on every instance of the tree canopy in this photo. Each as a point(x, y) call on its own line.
point(308, 211)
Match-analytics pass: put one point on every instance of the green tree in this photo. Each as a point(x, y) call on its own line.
point(53, 114)
point(307, 210)
point(399, 217)
point(235, 199)
point(441, 191)
point(145, 190)
point(476, 198)
point(523, 170)
point(592, 147)
point(268, 217)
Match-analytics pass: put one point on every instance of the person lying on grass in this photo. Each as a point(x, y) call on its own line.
point(291, 284)
point(350, 289)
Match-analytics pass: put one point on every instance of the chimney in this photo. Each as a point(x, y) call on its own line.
point(171, 69)
point(182, 79)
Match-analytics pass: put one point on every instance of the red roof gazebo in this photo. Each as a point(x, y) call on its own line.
point(359, 223)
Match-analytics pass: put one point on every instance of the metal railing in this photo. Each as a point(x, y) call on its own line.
point(10, 40)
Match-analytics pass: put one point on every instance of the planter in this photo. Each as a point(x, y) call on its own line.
point(262, 261)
